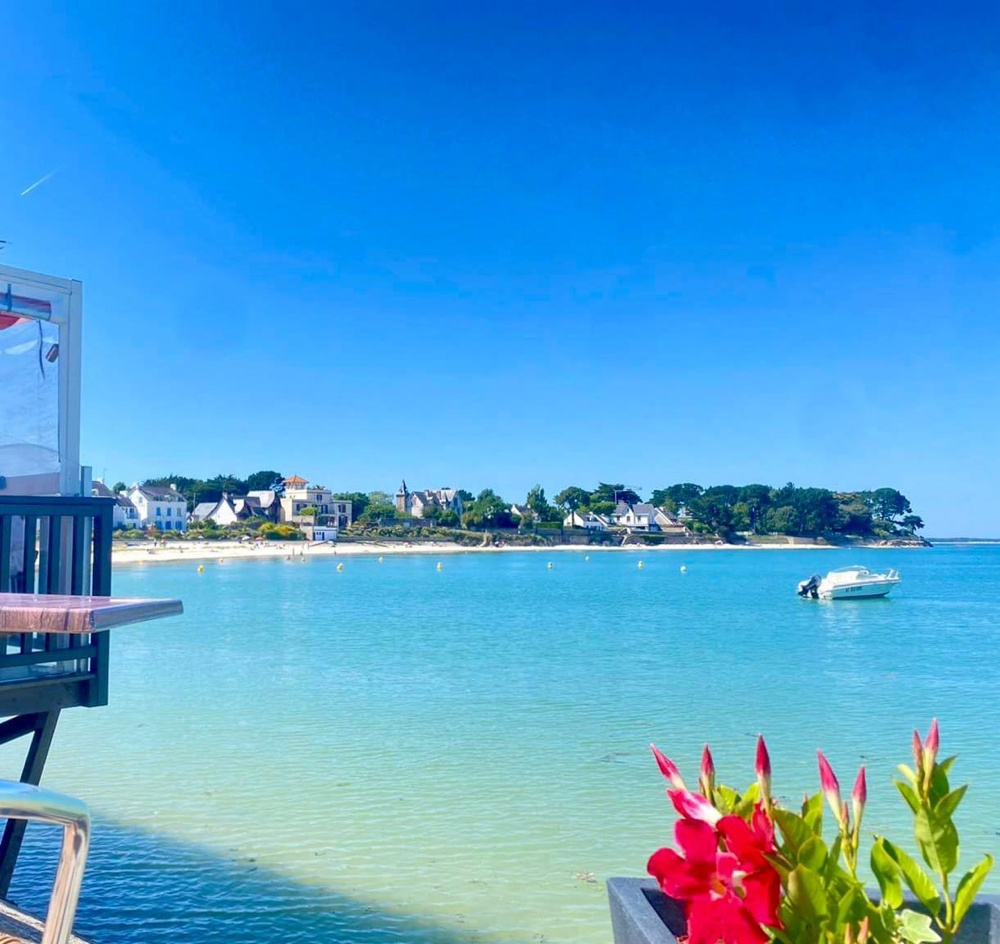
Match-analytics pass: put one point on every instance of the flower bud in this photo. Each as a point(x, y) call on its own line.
point(668, 768)
point(859, 796)
point(763, 766)
point(706, 782)
point(830, 786)
point(931, 744)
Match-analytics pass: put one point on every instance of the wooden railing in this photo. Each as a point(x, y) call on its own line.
point(54, 545)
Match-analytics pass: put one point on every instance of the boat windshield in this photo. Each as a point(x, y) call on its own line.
point(852, 569)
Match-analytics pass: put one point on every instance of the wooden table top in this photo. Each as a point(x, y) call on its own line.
point(43, 613)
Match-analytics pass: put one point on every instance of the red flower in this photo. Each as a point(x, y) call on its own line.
point(730, 893)
point(667, 767)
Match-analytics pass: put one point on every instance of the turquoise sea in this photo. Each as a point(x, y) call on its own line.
point(399, 754)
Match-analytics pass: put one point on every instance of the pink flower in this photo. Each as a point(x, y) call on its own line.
point(763, 766)
point(830, 786)
point(859, 796)
point(918, 750)
point(729, 894)
point(668, 768)
point(931, 744)
point(694, 806)
point(707, 779)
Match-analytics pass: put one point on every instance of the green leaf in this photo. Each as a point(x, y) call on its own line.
point(917, 879)
point(916, 927)
point(938, 841)
point(779, 864)
point(939, 784)
point(805, 890)
point(887, 874)
point(726, 798)
point(946, 764)
point(909, 794)
point(833, 859)
point(946, 806)
point(812, 812)
point(748, 801)
point(968, 887)
point(908, 773)
point(812, 854)
point(793, 828)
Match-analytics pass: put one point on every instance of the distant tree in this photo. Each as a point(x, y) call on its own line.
point(756, 499)
point(465, 495)
point(266, 479)
point(912, 522)
point(677, 496)
point(231, 484)
point(310, 511)
point(539, 504)
point(359, 502)
point(888, 504)
point(488, 510)
point(432, 512)
point(573, 498)
point(119, 487)
point(381, 498)
point(781, 520)
point(602, 507)
point(376, 511)
point(448, 518)
point(614, 493)
point(854, 514)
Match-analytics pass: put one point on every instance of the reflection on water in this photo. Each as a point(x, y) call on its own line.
point(401, 754)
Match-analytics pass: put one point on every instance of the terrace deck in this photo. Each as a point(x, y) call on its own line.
point(19, 927)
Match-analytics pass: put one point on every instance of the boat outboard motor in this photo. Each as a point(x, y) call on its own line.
point(810, 587)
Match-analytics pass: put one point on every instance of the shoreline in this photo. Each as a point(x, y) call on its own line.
point(232, 550)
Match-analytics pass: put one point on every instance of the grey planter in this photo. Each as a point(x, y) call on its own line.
point(642, 914)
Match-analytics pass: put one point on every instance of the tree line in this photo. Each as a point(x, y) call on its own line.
point(717, 509)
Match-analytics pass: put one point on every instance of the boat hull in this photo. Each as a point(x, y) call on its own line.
point(857, 591)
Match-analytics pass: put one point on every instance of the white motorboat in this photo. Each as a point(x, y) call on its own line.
point(849, 583)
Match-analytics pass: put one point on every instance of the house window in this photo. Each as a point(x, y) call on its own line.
point(166, 525)
point(169, 512)
point(159, 511)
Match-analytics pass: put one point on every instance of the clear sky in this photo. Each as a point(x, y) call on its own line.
point(492, 245)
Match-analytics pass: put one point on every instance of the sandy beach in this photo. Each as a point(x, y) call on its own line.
point(231, 550)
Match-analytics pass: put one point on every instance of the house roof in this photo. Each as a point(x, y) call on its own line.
point(295, 480)
point(203, 509)
point(520, 510)
point(160, 493)
point(264, 496)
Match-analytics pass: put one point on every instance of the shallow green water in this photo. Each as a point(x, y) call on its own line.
point(393, 753)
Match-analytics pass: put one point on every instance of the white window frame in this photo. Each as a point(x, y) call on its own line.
point(70, 333)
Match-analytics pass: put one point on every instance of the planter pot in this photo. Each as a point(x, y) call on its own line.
point(642, 914)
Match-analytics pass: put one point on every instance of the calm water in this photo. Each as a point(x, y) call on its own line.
point(393, 753)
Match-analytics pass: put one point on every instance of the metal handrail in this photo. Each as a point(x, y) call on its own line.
point(24, 801)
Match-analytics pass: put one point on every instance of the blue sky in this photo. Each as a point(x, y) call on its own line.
point(525, 244)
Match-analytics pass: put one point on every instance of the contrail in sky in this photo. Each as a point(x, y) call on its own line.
point(39, 182)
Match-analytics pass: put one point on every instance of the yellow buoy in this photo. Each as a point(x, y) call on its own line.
point(440, 566)
point(587, 557)
point(684, 568)
point(640, 565)
point(340, 566)
point(201, 568)
point(380, 560)
point(222, 560)
point(550, 565)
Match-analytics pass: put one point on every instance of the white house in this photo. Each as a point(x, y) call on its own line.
point(580, 519)
point(643, 516)
point(124, 512)
point(299, 494)
point(414, 503)
point(159, 506)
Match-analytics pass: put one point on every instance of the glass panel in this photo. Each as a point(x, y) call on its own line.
point(29, 379)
